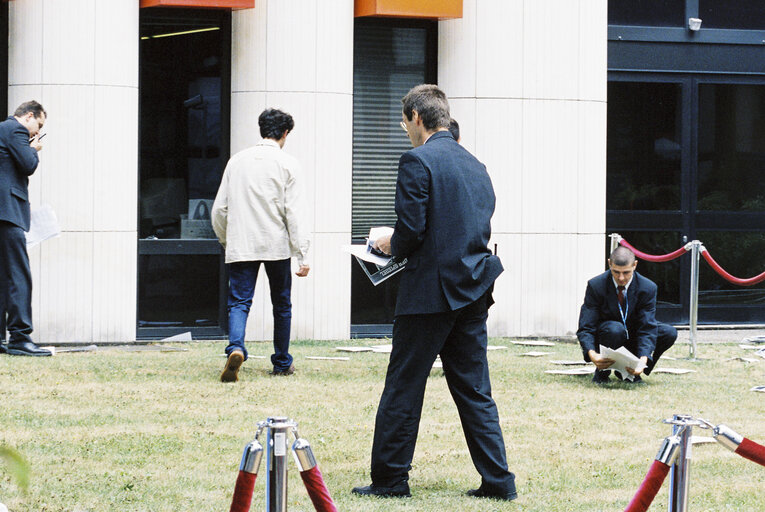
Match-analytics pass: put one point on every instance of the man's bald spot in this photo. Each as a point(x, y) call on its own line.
point(622, 257)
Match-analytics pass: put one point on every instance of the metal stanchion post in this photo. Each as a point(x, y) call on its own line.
point(694, 302)
point(276, 457)
point(615, 238)
point(679, 475)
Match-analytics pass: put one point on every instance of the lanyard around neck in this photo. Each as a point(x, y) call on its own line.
point(624, 312)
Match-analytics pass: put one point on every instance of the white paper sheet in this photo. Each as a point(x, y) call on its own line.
point(622, 359)
point(43, 225)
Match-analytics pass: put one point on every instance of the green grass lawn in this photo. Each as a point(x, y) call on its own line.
point(148, 431)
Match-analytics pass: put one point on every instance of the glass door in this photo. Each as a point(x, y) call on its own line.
point(184, 146)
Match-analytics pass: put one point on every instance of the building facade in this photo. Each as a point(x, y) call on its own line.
point(146, 104)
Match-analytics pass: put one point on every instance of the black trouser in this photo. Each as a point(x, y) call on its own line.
point(612, 334)
point(460, 338)
point(15, 283)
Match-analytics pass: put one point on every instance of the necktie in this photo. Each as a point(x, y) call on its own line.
point(620, 289)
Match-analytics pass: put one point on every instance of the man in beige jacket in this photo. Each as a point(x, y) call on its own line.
point(257, 218)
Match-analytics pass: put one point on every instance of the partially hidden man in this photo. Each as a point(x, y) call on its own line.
point(619, 310)
point(19, 145)
point(444, 204)
point(258, 217)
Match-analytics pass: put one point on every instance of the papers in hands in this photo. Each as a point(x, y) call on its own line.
point(622, 359)
point(386, 265)
point(43, 225)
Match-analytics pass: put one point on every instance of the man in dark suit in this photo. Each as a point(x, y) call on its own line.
point(619, 310)
point(444, 204)
point(19, 145)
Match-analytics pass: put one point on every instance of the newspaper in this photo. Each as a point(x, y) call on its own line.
point(622, 359)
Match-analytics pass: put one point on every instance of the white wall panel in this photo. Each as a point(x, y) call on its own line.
point(248, 49)
point(69, 41)
point(291, 46)
point(464, 111)
point(593, 51)
point(505, 314)
point(114, 287)
point(67, 176)
point(332, 172)
point(550, 161)
point(116, 42)
point(334, 35)
point(66, 289)
point(25, 51)
point(499, 49)
point(551, 49)
point(115, 166)
point(331, 278)
point(245, 109)
point(591, 186)
point(499, 145)
point(457, 53)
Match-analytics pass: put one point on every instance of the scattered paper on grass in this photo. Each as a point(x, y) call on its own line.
point(184, 336)
point(703, 440)
point(86, 348)
point(382, 349)
point(669, 358)
point(50, 349)
point(495, 347)
point(354, 349)
point(749, 347)
point(674, 371)
point(587, 370)
point(744, 359)
point(761, 352)
point(754, 339)
point(321, 358)
point(534, 343)
point(569, 362)
point(536, 354)
point(759, 389)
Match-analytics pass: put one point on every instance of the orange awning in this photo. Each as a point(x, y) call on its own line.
point(210, 4)
point(432, 9)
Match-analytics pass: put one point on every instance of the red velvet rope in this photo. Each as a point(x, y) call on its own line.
point(735, 280)
point(752, 451)
point(651, 257)
point(649, 488)
point(245, 483)
point(317, 491)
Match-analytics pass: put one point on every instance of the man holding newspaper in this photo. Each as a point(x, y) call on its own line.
point(617, 322)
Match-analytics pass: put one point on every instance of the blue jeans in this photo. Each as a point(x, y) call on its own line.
point(242, 278)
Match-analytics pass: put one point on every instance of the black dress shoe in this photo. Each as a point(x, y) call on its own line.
point(397, 491)
point(601, 376)
point(482, 493)
point(26, 348)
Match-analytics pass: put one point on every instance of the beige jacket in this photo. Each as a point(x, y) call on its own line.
point(258, 212)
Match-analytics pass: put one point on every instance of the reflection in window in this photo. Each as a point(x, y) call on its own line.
point(666, 275)
point(652, 13)
point(644, 136)
point(731, 147)
point(738, 14)
point(741, 254)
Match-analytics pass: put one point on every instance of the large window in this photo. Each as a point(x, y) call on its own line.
point(657, 13)
point(733, 14)
point(390, 57)
point(184, 141)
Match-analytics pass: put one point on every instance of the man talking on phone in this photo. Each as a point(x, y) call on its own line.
point(19, 147)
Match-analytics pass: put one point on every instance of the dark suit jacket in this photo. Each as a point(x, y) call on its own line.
point(444, 204)
point(18, 161)
point(601, 304)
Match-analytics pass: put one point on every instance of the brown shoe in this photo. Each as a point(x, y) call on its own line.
point(288, 371)
point(231, 370)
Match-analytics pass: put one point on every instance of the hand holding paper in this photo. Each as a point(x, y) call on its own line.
point(622, 359)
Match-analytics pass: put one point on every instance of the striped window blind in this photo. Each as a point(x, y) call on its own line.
point(388, 61)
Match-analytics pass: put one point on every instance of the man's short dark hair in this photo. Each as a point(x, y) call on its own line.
point(454, 129)
point(430, 103)
point(621, 256)
point(30, 106)
point(273, 123)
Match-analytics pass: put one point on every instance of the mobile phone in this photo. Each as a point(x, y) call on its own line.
point(41, 136)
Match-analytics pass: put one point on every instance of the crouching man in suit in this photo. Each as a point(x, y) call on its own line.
point(619, 310)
